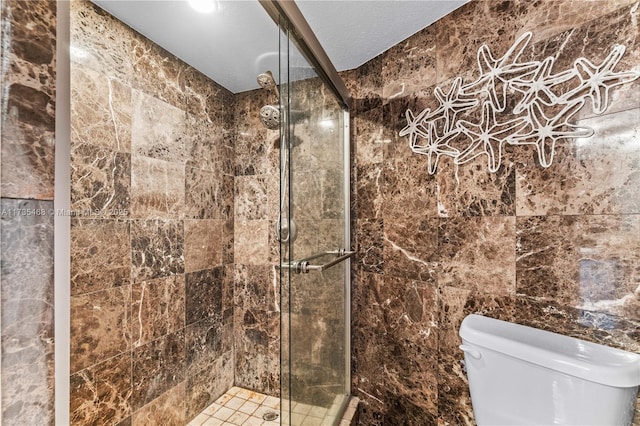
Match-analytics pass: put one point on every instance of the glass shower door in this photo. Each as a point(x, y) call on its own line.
point(314, 246)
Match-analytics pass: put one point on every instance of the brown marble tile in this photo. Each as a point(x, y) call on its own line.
point(478, 226)
point(411, 332)
point(256, 287)
point(100, 109)
point(454, 403)
point(306, 186)
point(157, 188)
point(251, 242)
point(398, 383)
point(594, 40)
point(596, 327)
point(207, 146)
point(408, 188)
point(250, 198)
point(27, 150)
point(370, 139)
point(228, 231)
point(370, 243)
point(410, 66)
point(206, 341)
point(204, 294)
point(28, 109)
point(257, 350)
point(100, 42)
point(586, 262)
point(228, 289)
point(157, 248)
point(467, 189)
point(100, 327)
point(206, 386)
point(365, 85)
point(206, 99)
point(27, 311)
point(100, 255)
point(157, 308)
point(256, 147)
point(306, 243)
point(208, 195)
point(100, 181)
point(367, 359)
point(471, 190)
point(157, 129)
point(596, 175)
point(33, 37)
point(478, 254)
point(459, 37)
point(167, 409)
point(332, 194)
point(225, 204)
point(26, 226)
point(157, 367)
point(410, 247)
point(157, 72)
point(274, 201)
point(203, 247)
point(101, 394)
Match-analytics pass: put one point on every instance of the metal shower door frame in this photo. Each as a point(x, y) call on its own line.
point(291, 21)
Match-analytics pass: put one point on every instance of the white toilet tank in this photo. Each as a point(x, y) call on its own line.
point(524, 376)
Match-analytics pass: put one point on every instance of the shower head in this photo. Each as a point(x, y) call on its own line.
point(266, 81)
point(270, 116)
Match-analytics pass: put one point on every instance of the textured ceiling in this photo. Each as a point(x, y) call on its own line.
point(239, 41)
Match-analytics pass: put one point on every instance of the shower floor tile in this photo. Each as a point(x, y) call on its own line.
point(243, 407)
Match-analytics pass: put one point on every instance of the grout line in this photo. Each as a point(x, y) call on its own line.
point(209, 415)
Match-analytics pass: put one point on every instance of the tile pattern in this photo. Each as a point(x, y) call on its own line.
point(317, 193)
point(28, 89)
point(152, 232)
point(28, 108)
point(27, 312)
point(256, 296)
point(553, 248)
point(239, 406)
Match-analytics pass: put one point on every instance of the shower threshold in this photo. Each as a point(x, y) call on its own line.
point(244, 407)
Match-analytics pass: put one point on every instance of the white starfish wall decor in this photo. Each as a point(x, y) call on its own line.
point(529, 122)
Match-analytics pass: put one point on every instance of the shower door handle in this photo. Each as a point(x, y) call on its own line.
point(303, 266)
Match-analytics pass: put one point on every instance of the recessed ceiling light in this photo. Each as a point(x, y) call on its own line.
point(204, 6)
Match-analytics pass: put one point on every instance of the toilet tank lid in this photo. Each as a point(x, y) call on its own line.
point(579, 358)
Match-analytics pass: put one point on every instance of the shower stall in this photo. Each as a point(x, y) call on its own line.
point(169, 289)
point(195, 238)
point(313, 225)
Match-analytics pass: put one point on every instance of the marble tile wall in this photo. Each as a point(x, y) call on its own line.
point(554, 248)
point(27, 99)
point(152, 231)
point(256, 249)
point(316, 159)
point(316, 300)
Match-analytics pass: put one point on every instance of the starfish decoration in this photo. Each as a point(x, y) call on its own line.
point(415, 127)
point(436, 147)
point(600, 79)
point(534, 81)
point(451, 103)
point(540, 84)
point(546, 131)
point(487, 137)
point(494, 72)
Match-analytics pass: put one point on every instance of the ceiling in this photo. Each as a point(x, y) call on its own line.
point(238, 41)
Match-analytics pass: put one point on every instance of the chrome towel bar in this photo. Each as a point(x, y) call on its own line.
point(303, 266)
